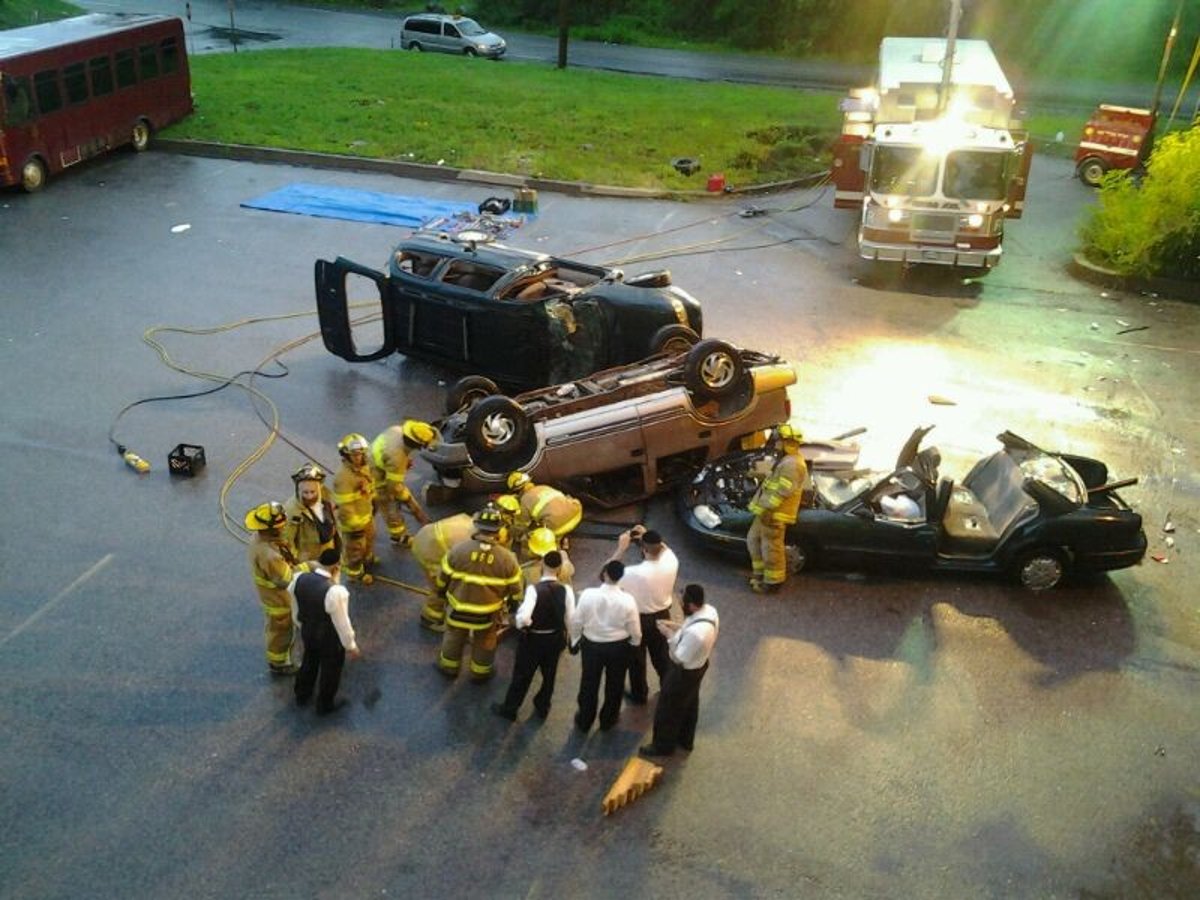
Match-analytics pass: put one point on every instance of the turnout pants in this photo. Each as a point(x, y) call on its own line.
point(535, 653)
point(278, 631)
point(608, 660)
point(358, 548)
point(765, 541)
point(483, 650)
point(678, 708)
point(324, 658)
point(653, 645)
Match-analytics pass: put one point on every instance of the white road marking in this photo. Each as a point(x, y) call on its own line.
point(53, 601)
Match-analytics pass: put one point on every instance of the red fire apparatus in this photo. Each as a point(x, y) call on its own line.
point(1115, 137)
point(929, 155)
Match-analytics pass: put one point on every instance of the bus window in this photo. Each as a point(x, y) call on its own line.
point(16, 100)
point(147, 61)
point(45, 86)
point(126, 73)
point(75, 83)
point(170, 55)
point(102, 77)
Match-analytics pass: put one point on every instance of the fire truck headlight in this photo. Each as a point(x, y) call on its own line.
point(895, 215)
point(974, 220)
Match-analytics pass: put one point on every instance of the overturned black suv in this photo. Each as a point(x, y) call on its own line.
point(521, 318)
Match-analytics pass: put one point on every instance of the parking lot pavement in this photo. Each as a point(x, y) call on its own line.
point(859, 736)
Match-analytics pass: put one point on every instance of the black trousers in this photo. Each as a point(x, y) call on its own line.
point(601, 659)
point(678, 708)
point(535, 653)
point(653, 645)
point(324, 656)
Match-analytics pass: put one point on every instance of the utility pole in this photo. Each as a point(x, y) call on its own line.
point(1166, 58)
point(948, 60)
point(564, 28)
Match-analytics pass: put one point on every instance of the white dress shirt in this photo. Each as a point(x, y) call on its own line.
point(651, 582)
point(606, 613)
point(337, 604)
point(693, 641)
point(524, 615)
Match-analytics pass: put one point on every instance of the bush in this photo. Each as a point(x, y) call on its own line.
point(1151, 228)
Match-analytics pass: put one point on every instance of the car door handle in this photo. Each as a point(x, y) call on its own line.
point(640, 451)
point(705, 435)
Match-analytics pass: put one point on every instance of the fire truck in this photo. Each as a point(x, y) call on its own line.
point(1115, 137)
point(930, 156)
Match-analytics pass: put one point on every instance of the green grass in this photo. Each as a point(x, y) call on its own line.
point(16, 13)
point(527, 119)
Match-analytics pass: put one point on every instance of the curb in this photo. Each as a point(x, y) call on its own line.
point(427, 172)
point(1086, 270)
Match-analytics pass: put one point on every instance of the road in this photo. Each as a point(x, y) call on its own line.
point(860, 737)
point(273, 25)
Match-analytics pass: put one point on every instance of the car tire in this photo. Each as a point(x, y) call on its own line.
point(498, 434)
point(471, 52)
point(468, 390)
point(714, 370)
point(33, 175)
point(1041, 569)
point(1091, 171)
point(415, 46)
point(799, 554)
point(673, 339)
point(140, 137)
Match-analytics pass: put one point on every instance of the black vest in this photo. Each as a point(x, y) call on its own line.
point(550, 609)
point(311, 589)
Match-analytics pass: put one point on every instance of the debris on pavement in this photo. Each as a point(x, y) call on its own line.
point(939, 400)
point(578, 765)
point(1168, 525)
point(1159, 557)
point(1134, 328)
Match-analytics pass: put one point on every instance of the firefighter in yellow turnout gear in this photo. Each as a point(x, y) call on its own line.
point(479, 576)
point(545, 507)
point(775, 506)
point(435, 540)
point(391, 458)
point(271, 565)
point(353, 494)
point(311, 525)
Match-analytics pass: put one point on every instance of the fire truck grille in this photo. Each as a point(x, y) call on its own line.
point(934, 226)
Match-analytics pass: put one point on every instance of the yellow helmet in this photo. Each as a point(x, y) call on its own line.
point(518, 480)
point(542, 541)
point(350, 443)
point(422, 434)
point(266, 516)
point(786, 432)
point(308, 472)
point(509, 506)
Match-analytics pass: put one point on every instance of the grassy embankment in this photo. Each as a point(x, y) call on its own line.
point(522, 118)
point(15, 13)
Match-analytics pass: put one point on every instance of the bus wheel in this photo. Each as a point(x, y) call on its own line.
point(33, 175)
point(141, 135)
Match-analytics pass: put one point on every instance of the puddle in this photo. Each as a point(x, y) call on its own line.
point(238, 36)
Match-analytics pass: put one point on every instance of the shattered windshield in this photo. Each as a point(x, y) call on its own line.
point(903, 170)
point(976, 175)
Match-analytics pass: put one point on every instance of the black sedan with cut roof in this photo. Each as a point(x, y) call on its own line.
point(1038, 515)
point(521, 318)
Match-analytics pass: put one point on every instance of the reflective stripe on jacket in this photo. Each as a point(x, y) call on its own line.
point(391, 461)
point(353, 490)
point(478, 578)
point(779, 494)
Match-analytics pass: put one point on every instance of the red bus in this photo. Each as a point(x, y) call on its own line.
point(77, 87)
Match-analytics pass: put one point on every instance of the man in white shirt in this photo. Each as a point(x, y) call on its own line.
point(651, 583)
point(605, 626)
point(691, 644)
point(321, 609)
point(541, 622)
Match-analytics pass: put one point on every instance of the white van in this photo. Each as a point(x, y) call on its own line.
point(450, 34)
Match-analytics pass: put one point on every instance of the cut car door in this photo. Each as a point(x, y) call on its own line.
point(333, 310)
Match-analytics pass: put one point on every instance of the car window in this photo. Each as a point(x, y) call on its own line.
point(471, 275)
point(451, 31)
point(414, 262)
point(470, 28)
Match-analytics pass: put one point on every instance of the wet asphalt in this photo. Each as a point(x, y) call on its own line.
point(860, 736)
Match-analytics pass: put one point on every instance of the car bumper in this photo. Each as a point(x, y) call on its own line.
point(1108, 560)
point(938, 256)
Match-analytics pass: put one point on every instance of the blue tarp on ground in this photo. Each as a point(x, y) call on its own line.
point(358, 206)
